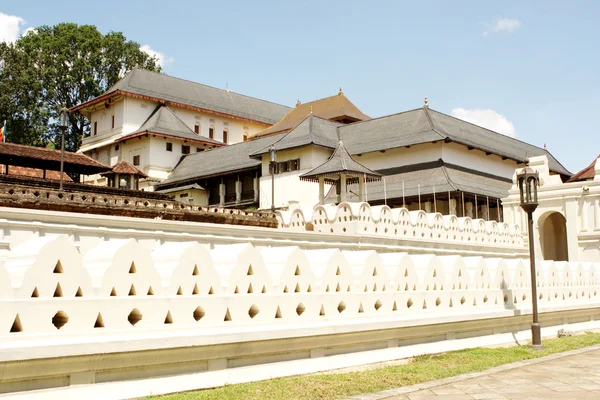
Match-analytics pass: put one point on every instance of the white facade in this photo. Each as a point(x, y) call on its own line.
point(567, 222)
point(130, 113)
point(288, 186)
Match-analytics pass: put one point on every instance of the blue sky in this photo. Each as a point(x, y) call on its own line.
point(531, 68)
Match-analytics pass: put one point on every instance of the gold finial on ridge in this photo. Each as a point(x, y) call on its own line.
point(298, 103)
point(426, 103)
point(340, 92)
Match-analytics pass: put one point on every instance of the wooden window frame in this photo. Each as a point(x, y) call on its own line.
point(169, 146)
point(136, 160)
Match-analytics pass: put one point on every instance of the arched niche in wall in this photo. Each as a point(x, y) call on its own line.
point(553, 236)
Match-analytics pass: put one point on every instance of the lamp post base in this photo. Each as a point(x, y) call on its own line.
point(536, 337)
point(537, 347)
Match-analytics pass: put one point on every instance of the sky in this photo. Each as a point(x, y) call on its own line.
point(527, 69)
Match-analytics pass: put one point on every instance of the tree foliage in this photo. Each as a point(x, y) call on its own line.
point(66, 64)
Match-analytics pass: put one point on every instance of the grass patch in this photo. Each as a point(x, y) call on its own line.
point(420, 369)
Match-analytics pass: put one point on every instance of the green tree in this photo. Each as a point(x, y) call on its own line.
point(66, 64)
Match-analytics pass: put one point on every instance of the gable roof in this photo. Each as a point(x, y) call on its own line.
point(588, 172)
point(164, 122)
point(155, 86)
point(218, 161)
point(339, 162)
point(424, 125)
point(424, 179)
point(312, 130)
point(49, 159)
point(336, 107)
point(125, 167)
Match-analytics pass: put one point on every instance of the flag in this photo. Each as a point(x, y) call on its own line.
point(3, 132)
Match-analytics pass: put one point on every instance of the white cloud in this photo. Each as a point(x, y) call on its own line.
point(502, 25)
point(28, 31)
point(489, 119)
point(161, 57)
point(10, 25)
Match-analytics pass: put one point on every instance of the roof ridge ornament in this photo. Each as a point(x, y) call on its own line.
point(340, 93)
point(298, 103)
point(426, 103)
point(311, 109)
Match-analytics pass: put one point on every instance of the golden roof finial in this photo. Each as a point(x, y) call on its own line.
point(298, 103)
point(426, 103)
point(340, 92)
point(311, 109)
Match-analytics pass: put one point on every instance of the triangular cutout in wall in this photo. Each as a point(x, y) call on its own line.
point(16, 326)
point(58, 291)
point(99, 321)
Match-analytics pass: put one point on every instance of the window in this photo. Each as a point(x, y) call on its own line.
point(225, 136)
point(185, 149)
point(113, 122)
point(169, 146)
point(117, 148)
point(294, 165)
point(283, 166)
point(136, 160)
point(182, 195)
point(211, 132)
point(197, 129)
point(95, 127)
point(199, 149)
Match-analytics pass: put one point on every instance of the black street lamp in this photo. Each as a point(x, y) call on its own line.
point(63, 124)
point(272, 163)
point(528, 181)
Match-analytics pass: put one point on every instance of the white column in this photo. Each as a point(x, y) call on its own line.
point(452, 207)
point(221, 194)
point(238, 191)
point(584, 215)
point(484, 212)
point(255, 185)
point(321, 190)
point(427, 206)
point(342, 187)
point(469, 209)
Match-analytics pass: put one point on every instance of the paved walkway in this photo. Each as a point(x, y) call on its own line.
point(573, 375)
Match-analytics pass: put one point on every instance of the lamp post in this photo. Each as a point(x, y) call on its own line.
point(528, 181)
point(272, 163)
point(63, 124)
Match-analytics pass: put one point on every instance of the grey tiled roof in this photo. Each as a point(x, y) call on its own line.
point(193, 186)
point(164, 121)
point(147, 83)
point(443, 177)
point(340, 161)
point(312, 130)
point(217, 161)
point(424, 125)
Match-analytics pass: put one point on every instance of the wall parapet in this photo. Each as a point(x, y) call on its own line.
point(364, 219)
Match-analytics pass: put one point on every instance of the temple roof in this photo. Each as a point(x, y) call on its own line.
point(154, 86)
point(588, 173)
point(164, 122)
point(424, 125)
point(312, 130)
point(218, 161)
point(336, 108)
point(428, 177)
point(48, 159)
point(125, 167)
point(340, 162)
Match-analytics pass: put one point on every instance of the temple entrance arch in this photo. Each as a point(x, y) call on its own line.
point(553, 236)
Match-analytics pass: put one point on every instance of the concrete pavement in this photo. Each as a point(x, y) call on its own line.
point(571, 375)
